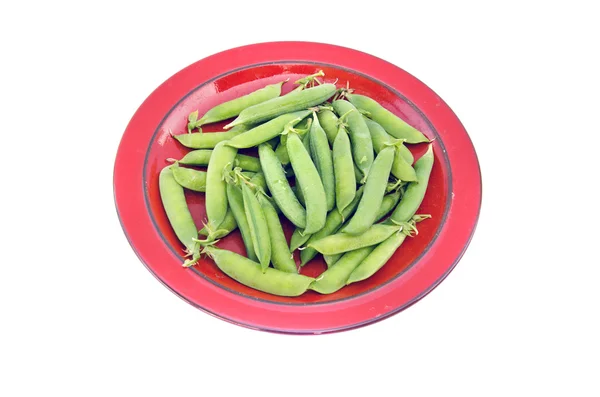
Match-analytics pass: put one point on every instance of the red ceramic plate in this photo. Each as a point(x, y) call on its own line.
point(453, 197)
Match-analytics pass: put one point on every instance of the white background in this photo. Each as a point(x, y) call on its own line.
point(81, 316)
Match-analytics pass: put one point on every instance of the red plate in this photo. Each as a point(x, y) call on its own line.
point(453, 197)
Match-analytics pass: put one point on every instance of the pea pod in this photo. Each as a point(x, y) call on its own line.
point(298, 239)
point(360, 137)
point(336, 276)
point(281, 151)
point(291, 102)
point(298, 192)
point(415, 192)
point(389, 203)
point(402, 170)
point(357, 175)
point(266, 131)
point(216, 195)
point(280, 188)
point(280, 252)
point(208, 140)
point(323, 160)
point(201, 157)
point(383, 252)
point(189, 178)
point(329, 122)
point(282, 154)
point(393, 124)
point(343, 242)
point(332, 224)
point(309, 182)
point(343, 169)
point(377, 258)
point(178, 213)
point(380, 138)
point(228, 225)
point(193, 179)
point(234, 107)
point(259, 231)
point(258, 180)
point(235, 199)
point(249, 273)
point(374, 191)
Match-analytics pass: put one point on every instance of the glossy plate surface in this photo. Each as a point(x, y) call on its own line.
point(453, 197)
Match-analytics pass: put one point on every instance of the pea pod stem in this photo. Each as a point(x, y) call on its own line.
point(309, 80)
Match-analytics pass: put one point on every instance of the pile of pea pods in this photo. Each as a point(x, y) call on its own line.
point(332, 162)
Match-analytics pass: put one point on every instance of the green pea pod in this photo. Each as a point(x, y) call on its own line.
point(280, 188)
point(403, 158)
point(280, 252)
point(309, 181)
point(282, 154)
point(216, 195)
point(298, 192)
point(415, 192)
point(393, 124)
point(236, 205)
point(267, 131)
point(336, 276)
point(329, 122)
point(343, 169)
point(298, 239)
point(193, 179)
point(360, 137)
point(234, 107)
point(332, 224)
point(306, 142)
point(380, 138)
point(228, 225)
point(291, 102)
point(389, 203)
point(383, 252)
point(189, 178)
point(281, 150)
point(208, 140)
point(258, 180)
point(323, 160)
point(198, 157)
point(258, 227)
point(402, 170)
point(374, 191)
point(249, 273)
point(343, 242)
point(178, 213)
point(375, 260)
point(357, 175)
